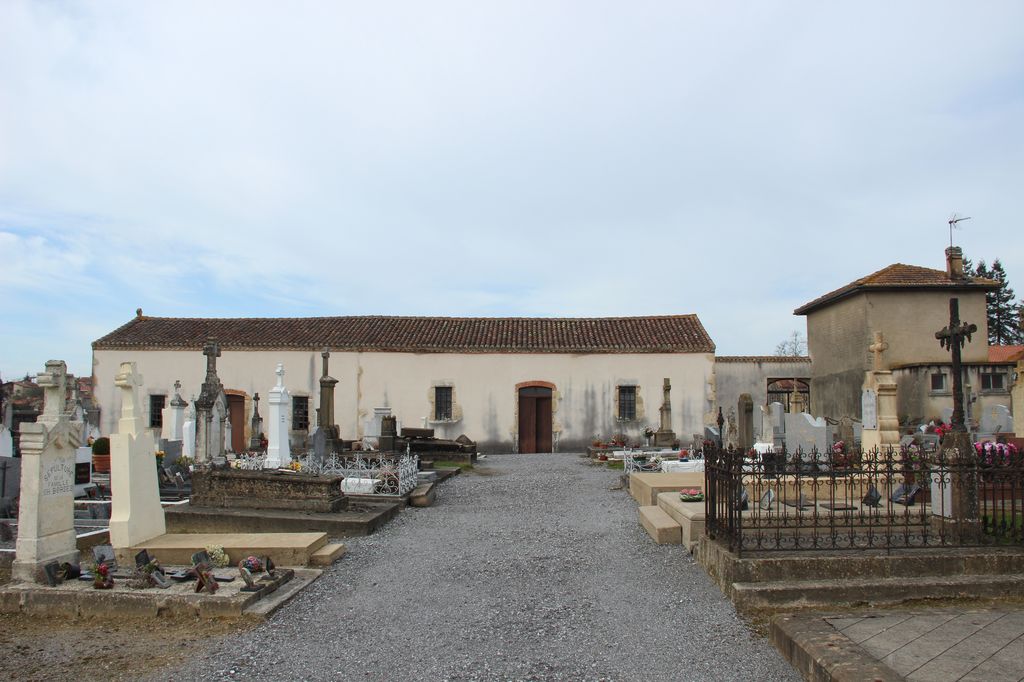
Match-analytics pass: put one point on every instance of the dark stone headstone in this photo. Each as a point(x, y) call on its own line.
point(409, 432)
point(319, 446)
point(10, 477)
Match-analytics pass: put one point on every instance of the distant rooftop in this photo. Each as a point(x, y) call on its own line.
point(1000, 354)
point(897, 277)
point(656, 334)
point(762, 358)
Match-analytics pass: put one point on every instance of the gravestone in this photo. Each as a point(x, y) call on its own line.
point(996, 419)
point(665, 436)
point(6, 442)
point(135, 512)
point(745, 405)
point(46, 516)
point(174, 416)
point(278, 448)
point(211, 411)
point(878, 401)
point(10, 477)
point(806, 433)
point(869, 409)
point(371, 430)
point(773, 424)
point(227, 432)
point(188, 432)
point(732, 436)
point(256, 426)
point(846, 431)
point(388, 433)
point(319, 452)
point(325, 414)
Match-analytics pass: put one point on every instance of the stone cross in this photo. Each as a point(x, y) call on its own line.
point(129, 380)
point(325, 354)
point(54, 384)
point(877, 348)
point(954, 337)
point(212, 351)
point(280, 375)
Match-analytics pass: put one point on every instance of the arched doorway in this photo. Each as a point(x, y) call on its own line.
point(535, 417)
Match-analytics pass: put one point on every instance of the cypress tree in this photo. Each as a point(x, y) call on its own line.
point(1003, 312)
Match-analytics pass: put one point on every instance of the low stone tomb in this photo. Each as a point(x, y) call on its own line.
point(645, 487)
point(234, 488)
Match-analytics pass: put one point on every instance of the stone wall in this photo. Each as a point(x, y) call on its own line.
point(735, 376)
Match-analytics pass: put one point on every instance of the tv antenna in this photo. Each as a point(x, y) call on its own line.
point(953, 220)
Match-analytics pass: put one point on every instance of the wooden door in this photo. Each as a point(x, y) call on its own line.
point(236, 413)
point(535, 419)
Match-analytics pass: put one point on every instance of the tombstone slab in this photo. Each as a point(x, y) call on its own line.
point(278, 447)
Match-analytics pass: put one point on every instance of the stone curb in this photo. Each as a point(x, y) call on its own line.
point(819, 652)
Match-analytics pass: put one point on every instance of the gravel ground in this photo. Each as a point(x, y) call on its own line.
point(530, 567)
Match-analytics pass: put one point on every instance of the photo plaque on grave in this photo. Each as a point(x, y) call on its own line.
point(869, 409)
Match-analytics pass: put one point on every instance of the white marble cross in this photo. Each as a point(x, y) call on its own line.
point(129, 380)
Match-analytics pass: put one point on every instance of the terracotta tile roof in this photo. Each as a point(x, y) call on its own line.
point(895, 277)
point(1007, 354)
point(662, 334)
point(762, 358)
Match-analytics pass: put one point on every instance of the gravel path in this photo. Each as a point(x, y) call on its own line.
point(528, 568)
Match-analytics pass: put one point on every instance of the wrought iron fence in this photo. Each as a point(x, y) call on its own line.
point(877, 499)
point(381, 475)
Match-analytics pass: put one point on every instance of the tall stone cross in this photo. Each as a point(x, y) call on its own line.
point(280, 375)
point(212, 351)
point(954, 337)
point(877, 348)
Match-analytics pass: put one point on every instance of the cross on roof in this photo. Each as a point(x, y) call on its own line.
point(877, 348)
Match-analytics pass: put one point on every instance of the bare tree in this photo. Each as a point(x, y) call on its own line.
point(794, 346)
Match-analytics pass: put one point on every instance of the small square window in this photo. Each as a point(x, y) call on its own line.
point(443, 403)
point(994, 381)
point(938, 381)
point(156, 411)
point(627, 403)
point(300, 413)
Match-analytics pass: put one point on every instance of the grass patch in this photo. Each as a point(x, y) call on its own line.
point(448, 464)
point(616, 464)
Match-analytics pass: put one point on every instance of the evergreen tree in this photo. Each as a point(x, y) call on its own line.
point(1003, 312)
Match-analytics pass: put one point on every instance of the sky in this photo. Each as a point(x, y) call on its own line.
point(567, 159)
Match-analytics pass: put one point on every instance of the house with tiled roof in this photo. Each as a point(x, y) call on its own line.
point(511, 384)
point(907, 304)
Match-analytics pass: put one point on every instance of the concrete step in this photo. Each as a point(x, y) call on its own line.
point(358, 519)
point(645, 487)
point(800, 594)
point(660, 526)
point(423, 495)
point(689, 516)
point(328, 554)
point(176, 549)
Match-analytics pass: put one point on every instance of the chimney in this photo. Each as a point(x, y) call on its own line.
point(955, 262)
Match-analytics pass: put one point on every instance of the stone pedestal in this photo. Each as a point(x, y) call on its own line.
point(665, 436)
point(46, 516)
point(174, 416)
point(964, 521)
point(135, 511)
point(278, 447)
point(878, 411)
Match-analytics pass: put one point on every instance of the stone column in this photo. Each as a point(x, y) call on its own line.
point(256, 426)
point(188, 431)
point(174, 416)
point(135, 512)
point(746, 417)
point(278, 448)
point(878, 402)
point(46, 515)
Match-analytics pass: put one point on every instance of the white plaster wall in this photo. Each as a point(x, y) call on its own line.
point(484, 383)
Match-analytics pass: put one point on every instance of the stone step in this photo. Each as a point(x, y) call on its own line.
point(800, 594)
point(359, 519)
point(689, 516)
point(645, 487)
point(423, 495)
point(907, 564)
point(328, 554)
point(660, 526)
point(176, 549)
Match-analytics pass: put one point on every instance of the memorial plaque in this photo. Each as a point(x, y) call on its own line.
point(59, 479)
point(869, 409)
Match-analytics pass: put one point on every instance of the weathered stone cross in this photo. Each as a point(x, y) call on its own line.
point(877, 348)
point(212, 351)
point(54, 384)
point(954, 337)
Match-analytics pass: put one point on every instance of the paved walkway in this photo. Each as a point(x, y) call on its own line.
point(942, 645)
point(529, 568)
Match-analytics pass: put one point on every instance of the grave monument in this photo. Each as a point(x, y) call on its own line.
point(325, 415)
point(665, 437)
point(135, 512)
point(46, 517)
point(878, 402)
point(278, 447)
point(211, 412)
point(188, 431)
point(746, 421)
point(957, 448)
point(174, 416)
point(256, 427)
